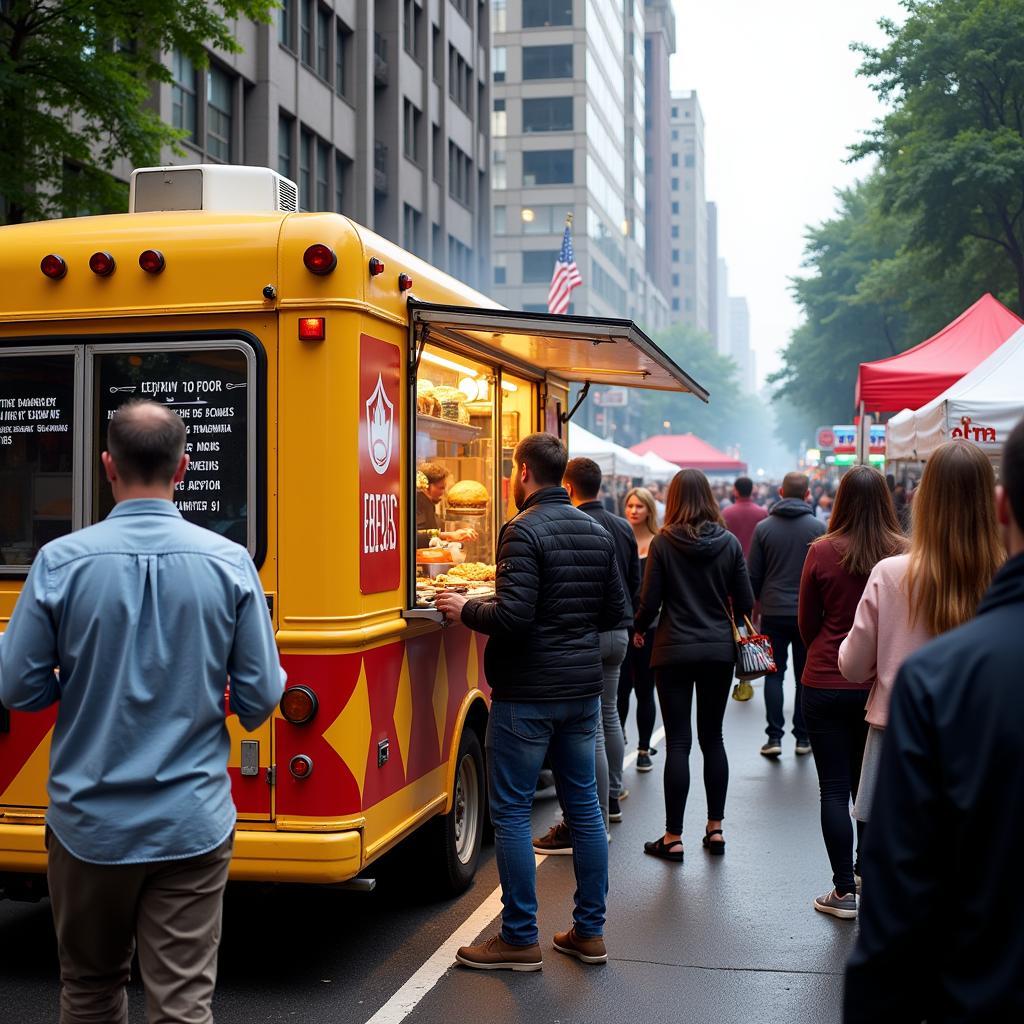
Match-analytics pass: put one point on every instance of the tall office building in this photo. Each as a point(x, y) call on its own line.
point(712, 277)
point(688, 213)
point(659, 45)
point(378, 109)
point(567, 138)
point(723, 339)
point(739, 343)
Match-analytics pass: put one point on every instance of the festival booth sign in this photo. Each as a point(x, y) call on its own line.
point(984, 406)
point(913, 378)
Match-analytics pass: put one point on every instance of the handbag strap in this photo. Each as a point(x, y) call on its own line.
point(730, 615)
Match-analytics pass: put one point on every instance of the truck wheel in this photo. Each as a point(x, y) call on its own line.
point(454, 839)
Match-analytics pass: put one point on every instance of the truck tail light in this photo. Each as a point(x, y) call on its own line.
point(301, 766)
point(320, 259)
point(102, 264)
point(404, 282)
point(152, 261)
point(312, 328)
point(299, 704)
point(53, 266)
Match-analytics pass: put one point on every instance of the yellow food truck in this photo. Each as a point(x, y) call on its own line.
point(318, 368)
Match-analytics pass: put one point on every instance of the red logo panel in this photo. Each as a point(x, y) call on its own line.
point(380, 381)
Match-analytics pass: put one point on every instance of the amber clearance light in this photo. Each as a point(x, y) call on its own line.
point(53, 266)
point(299, 704)
point(320, 259)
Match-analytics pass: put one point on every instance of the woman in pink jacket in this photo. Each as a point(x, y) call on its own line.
point(955, 550)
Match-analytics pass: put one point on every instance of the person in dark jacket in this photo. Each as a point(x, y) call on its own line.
point(940, 939)
point(777, 552)
point(695, 574)
point(557, 589)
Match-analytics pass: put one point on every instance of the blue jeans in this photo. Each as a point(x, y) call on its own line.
point(519, 734)
point(783, 632)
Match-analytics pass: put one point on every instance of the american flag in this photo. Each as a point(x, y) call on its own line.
point(565, 278)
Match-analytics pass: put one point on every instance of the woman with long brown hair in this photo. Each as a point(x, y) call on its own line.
point(862, 531)
point(636, 675)
point(955, 550)
point(695, 573)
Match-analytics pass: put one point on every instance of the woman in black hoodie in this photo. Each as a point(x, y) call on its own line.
point(695, 571)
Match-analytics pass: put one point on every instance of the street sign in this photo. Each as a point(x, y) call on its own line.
point(844, 439)
point(612, 398)
point(826, 438)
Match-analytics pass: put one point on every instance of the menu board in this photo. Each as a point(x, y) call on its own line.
point(209, 390)
point(37, 440)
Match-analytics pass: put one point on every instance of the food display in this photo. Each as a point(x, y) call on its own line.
point(427, 590)
point(467, 498)
point(473, 572)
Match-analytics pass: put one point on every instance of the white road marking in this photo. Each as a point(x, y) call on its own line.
point(409, 996)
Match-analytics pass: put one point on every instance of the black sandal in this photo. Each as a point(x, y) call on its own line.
point(659, 848)
point(714, 848)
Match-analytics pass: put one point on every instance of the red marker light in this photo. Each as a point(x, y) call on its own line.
point(320, 259)
point(298, 704)
point(404, 282)
point(376, 266)
point(152, 261)
point(312, 328)
point(53, 267)
point(301, 766)
point(102, 264)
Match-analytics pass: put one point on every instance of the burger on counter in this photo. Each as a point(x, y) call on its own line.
point(467, 498)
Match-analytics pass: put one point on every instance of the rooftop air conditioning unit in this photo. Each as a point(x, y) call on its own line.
point(218, 187)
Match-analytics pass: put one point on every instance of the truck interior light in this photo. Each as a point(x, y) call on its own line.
point(53, 267)
point(404, 282)
point(299, 704)
point(320, 259)
point(376, 266)
point(507, 385)
point(448, 364)
point(312, 328)
point(152, 261)
point(301, 766)
point(102, 264)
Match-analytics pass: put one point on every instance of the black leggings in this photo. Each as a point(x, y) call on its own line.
point(636, 675)
point(836, 726)
point(676, 684)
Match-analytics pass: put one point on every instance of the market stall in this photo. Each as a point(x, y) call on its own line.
point(613, 459)
point(687, 451)
point(984, 406)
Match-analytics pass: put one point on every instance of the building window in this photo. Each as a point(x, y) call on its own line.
point(183, 94)
point(541, 13)
point(286, 24)
point(500, 222)
point(538, 265)
point(464, 7)
point(412, 132)
point(675, 230)
point(675, 280)
point(323, 176)
point(306, 32)
point(285, 147)
point(675, 255)
point(499, 15)
point(219, 114)
point(460, 174)
point(499, 63)
point(675, 159)
point(688, 160)
point(499, 170)
point(675, 134)
point(550, 114)
point(436, 154)
point(675, 208)
point(436, 242)
point(547, 62)
point(675, 305)
point(500, 275)
point(342, 170)
point(675, 184)
point(460, 79)
point(543, 220)
point(499, 120)
point(412, 26)
point(342, 59)
point(412, 226)
point(437, 54)
point(324, 17)
point(547, 167)
point(460, 260)
point(688, 256)
point(675, 111)
point(306, 142)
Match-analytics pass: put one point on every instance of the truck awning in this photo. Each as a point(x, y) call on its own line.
point(598, 350)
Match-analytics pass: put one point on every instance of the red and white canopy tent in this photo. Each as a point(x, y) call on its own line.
point(688, 451)
point(913, 378)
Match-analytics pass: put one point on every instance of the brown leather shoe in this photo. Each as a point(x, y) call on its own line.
point(590, 951)
point(497, 955)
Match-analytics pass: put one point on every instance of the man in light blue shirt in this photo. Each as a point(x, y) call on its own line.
point(145, 617)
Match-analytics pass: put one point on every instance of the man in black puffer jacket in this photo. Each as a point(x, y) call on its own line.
point(557, 588)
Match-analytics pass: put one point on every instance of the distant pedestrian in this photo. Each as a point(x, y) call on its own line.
point(777, 552)
point(695, 574)
point(863, 530)
point(743, 514)
point(940, 937)
point(823, 509)
point(955, 551)
point(637, 677)
point(144, 616)
point(557, 589)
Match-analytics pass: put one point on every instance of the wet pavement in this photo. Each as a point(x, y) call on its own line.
point(724, 939)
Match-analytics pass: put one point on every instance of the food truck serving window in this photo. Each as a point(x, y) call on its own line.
point(56, 403)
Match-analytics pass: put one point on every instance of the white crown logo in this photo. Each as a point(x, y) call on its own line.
point(380, 421)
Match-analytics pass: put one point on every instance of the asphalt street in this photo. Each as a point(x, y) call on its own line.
point(730, 939)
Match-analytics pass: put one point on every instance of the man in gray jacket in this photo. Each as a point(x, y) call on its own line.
point(777, 554)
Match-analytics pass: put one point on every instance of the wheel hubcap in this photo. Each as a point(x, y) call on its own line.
point(467, 809)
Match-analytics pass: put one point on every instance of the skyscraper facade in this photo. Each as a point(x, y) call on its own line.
point(739, 343)
point(568, 139)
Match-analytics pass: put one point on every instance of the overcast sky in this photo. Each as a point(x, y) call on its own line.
point(782, 103)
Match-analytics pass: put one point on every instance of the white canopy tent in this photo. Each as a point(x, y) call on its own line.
point(983, 406)
point(659, 469)
point(613, 459)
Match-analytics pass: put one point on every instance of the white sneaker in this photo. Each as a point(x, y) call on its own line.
point(836, 905)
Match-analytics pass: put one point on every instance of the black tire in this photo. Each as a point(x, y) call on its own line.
point(453, 840)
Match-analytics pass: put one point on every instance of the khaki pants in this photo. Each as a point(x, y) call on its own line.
point(171, 908)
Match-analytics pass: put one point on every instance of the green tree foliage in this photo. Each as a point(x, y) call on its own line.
point(75, 92)
point(952, 147)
